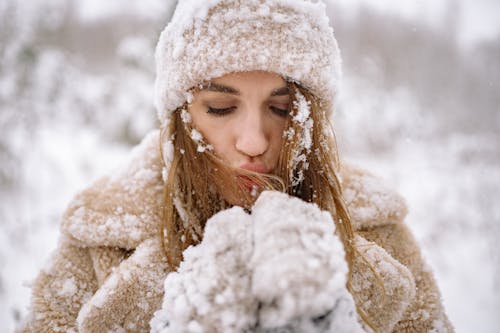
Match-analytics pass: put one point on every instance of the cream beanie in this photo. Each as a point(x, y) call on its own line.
point(207, 39)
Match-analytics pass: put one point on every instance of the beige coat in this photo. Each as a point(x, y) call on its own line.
point(108, 270)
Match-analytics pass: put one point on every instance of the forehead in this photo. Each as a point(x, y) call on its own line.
point(241, 82)
point(249, 76)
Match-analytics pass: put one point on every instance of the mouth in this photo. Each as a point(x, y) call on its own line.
point(249, 183)
point(255, 167)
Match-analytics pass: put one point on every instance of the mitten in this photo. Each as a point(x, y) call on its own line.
point(299, 272)
point(210, 292)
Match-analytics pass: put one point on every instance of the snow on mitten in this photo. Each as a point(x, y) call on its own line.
point(210, 292)
point(299, 272)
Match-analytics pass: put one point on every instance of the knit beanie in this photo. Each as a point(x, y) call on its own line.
point(210, 38)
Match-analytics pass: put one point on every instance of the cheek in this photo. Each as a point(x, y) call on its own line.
point(219, 139)
point(277, 140)
point(215, 133)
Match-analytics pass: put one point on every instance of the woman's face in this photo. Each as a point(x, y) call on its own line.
point(243, 116)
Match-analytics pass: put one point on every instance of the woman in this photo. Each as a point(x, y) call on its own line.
point(244, 92)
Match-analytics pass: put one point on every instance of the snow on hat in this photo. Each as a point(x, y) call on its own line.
point(210, 38)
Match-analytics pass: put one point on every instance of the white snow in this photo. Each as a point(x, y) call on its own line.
point(185, 116)
point(198, 138)
point(68, 288)
point(305, 122)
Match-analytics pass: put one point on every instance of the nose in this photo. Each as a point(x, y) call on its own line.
point(252, 139)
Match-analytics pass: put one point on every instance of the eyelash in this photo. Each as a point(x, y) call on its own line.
point(225, 111)
point(220, 112)
point(280, 112)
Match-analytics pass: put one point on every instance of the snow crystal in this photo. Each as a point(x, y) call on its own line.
point(189, 96)
point(131, 327)
point(439, 326)
point(79, 213)
point(181, 211)
point(195, 327)
point(198, 138)
point(255, 191)
point(181, 306)
point(110, 227)
point(289, 133)
point(117, 329)
point(185, 116)
point(102, 293)
point(303, 108)
point(68, 288)
point(168, 153)
point(201, 148)
point(303, 118)
point(98, 299)
point(143, 305)
point(164, 174)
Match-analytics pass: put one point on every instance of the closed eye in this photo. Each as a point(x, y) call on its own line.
point(280, 112)
point(220, 112)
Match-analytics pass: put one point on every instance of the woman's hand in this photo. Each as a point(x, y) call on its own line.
point(280, 269)
point(210, 291)
point(299, 272)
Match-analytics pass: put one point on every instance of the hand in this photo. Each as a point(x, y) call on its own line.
point(299, 272)
point(211, 289)
point(280, 269)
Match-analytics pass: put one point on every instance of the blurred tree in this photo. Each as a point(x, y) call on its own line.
point(452, 84)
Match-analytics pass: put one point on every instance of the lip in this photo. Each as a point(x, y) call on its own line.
point(255, 167)
point(248, 182)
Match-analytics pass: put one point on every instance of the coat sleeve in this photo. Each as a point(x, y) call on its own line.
point(61, 288)
point(426, 312)
point(129, 295)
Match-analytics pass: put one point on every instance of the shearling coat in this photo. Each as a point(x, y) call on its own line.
point(108, 270)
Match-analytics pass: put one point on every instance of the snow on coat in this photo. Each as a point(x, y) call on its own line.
point(108, 271)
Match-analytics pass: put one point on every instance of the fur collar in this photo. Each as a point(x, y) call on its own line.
point(123, 209)
point(371, 202)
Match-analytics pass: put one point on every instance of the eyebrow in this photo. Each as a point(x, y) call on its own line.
point(283, 91)
point(217, 87)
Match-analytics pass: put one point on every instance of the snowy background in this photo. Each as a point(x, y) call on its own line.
point(420, 106)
